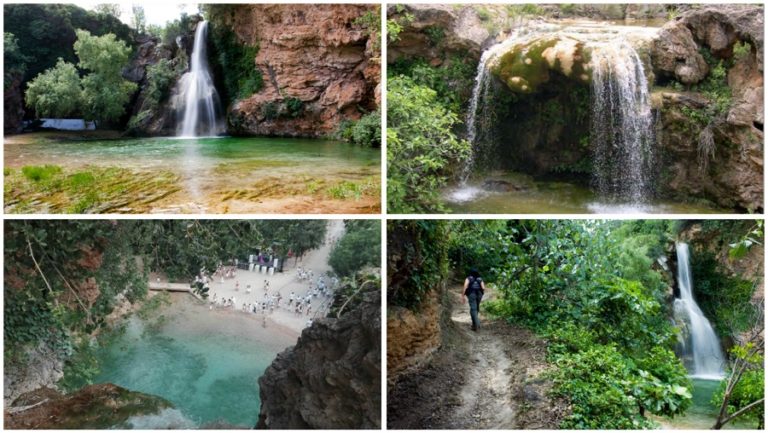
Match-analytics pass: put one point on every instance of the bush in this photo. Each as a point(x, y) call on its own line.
point(235, 62)
point(38, 173)
point(294, 107)
point(270, 110)
point(55, 92)
point(360, 246)
point(422, 150)
point(365, 131)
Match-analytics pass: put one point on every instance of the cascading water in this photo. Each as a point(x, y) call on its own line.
point(702, 354)
point(622, 124)
point(197, 95)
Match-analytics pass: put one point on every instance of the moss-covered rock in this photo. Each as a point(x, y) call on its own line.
point(526, 66)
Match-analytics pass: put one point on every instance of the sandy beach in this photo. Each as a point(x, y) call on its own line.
point(283, 283)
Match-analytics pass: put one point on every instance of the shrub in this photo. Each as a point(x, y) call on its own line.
point(422, 150)
point(294, 107)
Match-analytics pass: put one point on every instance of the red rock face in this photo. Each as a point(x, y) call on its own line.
point(315, 53)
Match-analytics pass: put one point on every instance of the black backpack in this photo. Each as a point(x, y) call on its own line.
point(475, 285)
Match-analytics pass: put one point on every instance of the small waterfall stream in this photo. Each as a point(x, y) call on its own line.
point(701, 349)
point(197, 96)
point(621, 124)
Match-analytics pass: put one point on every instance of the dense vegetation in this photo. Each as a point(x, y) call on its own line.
point(62, 278)
point(101, 94)
point(594, 290)
point(360, 246)
point(46, 32)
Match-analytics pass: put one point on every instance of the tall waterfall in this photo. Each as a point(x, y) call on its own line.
point(622, 124)
point(197, 95)
point(701, 350)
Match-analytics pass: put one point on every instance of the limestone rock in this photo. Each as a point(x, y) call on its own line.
point(675, 53)
point(462, 32)
point(44, 366)
point(331, 379)
point(315, 53)
point(99, 406)
point(412, 337)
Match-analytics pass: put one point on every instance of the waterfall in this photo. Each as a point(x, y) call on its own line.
point(701, 349)
point(622, 123)
point(197, 95)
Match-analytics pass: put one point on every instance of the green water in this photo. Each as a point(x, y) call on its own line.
point(205, 362)
point(537, 197)
point(209, 168)
point(702, 413)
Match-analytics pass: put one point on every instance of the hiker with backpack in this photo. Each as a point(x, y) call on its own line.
point(474, 288)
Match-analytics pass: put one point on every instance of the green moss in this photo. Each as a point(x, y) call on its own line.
point(524, 68)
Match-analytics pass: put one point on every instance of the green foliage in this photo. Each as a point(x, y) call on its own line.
point(160, 78)
point(723, 299)
point(422, 150)
point(453, 80)
point(46, 32)
point(435, 34)
point(749, 388)
point(174, 29)
point(523, 10)
point(360, 246)
point(483, 13)
point(370, 22)
point(80, 368)
point(56, 92)
point(567, 8)
point(294, 106)
point(589, 288)
point(270, 110)
point(14, 60)
point(105, 91)
point(396, 25)
point(365, 132)
point(417, 260)
point(235, 62)
point(40, 173)
point(741, 50)
point(100, 95)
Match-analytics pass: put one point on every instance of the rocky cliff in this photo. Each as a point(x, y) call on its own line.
point(319, 63)
point(331, 378)
point(412, 337)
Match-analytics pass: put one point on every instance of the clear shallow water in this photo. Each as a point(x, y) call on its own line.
point(207, 363)
point(208, 167)
point(537, 197)
point(702, 413)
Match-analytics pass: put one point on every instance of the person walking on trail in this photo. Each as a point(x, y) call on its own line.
point(474, 288)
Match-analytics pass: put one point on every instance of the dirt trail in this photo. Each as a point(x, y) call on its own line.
point(477, 380)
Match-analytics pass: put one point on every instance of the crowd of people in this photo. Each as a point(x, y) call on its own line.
point(313, 294)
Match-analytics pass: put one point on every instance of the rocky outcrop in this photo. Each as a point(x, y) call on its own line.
point(676, 52)
point(463, 33)
point(149, 115)
point(331, 379)
point(102, 406)
point(412, 337)
point(716, 157)
point(319, 55)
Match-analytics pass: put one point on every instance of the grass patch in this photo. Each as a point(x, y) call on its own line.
point(347, 189)
point(52, 189)
point(39, 173)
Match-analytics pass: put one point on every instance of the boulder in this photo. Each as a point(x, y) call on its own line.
point(331, 378)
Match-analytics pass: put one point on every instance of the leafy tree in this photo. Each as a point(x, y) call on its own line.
point(14, 61)
point(359, 247)
point(56, 92)
point(105, 92)
point(422, 150)
point(112, 9)
point(139, 19)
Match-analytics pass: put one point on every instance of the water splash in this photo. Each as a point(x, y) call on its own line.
point(197, 95)
point(622, 124)
point(701, 348)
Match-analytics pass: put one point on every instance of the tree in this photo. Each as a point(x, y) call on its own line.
point(14, 61)
point(139, 19)
point(105, 92)
point(360, 246)
point(56, 92)
point(108, 9)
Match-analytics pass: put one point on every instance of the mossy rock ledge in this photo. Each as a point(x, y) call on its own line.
point(100, 406)
point(525, 66)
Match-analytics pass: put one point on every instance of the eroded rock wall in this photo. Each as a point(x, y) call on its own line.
point(331, 378)
point(318, 54)
point(412, 337)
